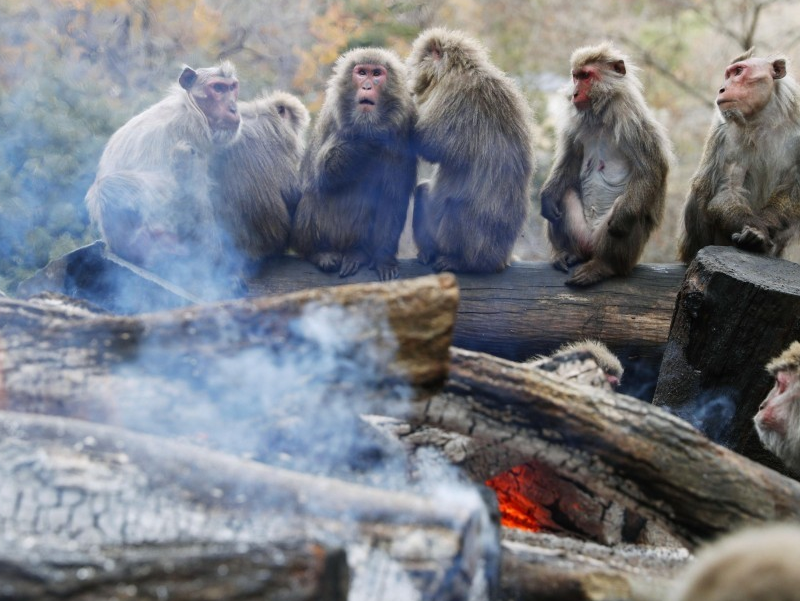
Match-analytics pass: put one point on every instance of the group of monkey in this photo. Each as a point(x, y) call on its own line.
point(202, 175)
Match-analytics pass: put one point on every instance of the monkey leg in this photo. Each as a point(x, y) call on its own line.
point(422, 226)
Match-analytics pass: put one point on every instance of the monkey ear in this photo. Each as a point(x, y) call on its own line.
point(619, 67)
point(779, 68)
point(435, 49)
point(187, 78)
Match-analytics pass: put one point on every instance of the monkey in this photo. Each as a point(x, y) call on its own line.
point(476, 128)
point(603, 371)
point(359, 168)
point(752, 564)
point(606, 191)
point(746, 190)
point(258, 176)
point(151, 196)
point(777, 421)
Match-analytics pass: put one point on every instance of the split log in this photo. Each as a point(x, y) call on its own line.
point(614, 446)
point(526, 310)
point(125, 496)
point(537, 567)
point(224, 371)
point(734, 312)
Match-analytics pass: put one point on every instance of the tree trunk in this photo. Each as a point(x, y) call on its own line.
point(734, 313)
point(615, 446)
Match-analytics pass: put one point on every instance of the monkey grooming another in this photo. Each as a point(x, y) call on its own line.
point(259, 178)
point(359, 169)
point(777, 421)
point(151, 197)
point(606, 191)
point(746, 190)
point(474, 125)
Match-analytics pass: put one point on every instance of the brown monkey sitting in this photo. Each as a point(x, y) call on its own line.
point(746, 191)
point(606, 191)
point(778, 419)
point(475, 126)
point(150, 199)
point(359, 169)
point(259, 177)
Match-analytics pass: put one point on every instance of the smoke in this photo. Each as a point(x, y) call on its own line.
point(712, 414)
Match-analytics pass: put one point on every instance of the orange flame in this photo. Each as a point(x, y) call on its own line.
point(514, 489)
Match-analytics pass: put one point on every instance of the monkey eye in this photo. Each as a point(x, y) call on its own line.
point(361, 72)
point(377, 73)
point(581, 75)
point(220, 88)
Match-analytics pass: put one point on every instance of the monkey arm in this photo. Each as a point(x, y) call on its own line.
point(564, 174)
point(339, 160)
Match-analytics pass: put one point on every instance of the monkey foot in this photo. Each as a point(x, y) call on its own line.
point(386, 271)
point(328, 261)
point(752, 239)
point(447, 263)
point(588, 274)
point(426, 258)
point(351, 263)
point(563, 261)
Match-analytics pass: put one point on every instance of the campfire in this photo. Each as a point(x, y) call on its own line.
point(247, 449)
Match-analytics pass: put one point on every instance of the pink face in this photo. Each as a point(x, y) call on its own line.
point(749, 85)
point(773, 413)
point(583, 78)
point(219, 102)
point(368, 81)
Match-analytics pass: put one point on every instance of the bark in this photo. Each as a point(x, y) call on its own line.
point(734, 312)
point(123, 498)
point(614, 446)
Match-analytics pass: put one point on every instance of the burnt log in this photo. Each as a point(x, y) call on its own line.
point(617, 447)
point(524, 311)
point(223, 371)
point(123, 497)
point(734, 313)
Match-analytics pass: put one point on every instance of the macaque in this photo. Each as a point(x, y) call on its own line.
point(778, 419)
point(150, 199)
point(359, 169)
point(603, 370)
point(746, 191)
point(475, 127)
point(606, 191)
point(259, 177)
point(758, 563)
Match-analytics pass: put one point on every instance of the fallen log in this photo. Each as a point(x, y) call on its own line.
point(617, 447)
point(734, 312)
point(225, 371)
point(124, 496)
point(526, 310)
point(541, 567)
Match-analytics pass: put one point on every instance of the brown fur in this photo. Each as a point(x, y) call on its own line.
point(754, 564)
point(358, 173)
point(601, 223)
point(150, 199)
point(746, 190)
point(475, 126)
point(259, 176)
point(567, 355)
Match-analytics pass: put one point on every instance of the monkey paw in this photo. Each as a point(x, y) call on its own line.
point(753, 239)
point(426, 258)
point(328, 261)
point(447, 263)
point(352, 262)
point(387, 271)
point(588, 274)
point(564, 260)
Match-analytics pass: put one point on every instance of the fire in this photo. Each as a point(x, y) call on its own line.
point(516, 490)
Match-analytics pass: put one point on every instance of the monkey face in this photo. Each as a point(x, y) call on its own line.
point(217, 99)
point(748, 87)
point(368, 81)
point(582, 80)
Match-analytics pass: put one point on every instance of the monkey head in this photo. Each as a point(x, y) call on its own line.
point(748, 86)
point(594, 71)
point(215, 91)
point(778, 419)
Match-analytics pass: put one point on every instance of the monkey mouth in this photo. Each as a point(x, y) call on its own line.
point(367, 101)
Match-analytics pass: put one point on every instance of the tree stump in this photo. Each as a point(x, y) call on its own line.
point(734, 312)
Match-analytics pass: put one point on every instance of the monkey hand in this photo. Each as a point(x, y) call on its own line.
point(551, 207)
point(387, 268)
point(352, 261)
point(563, 260)
point(620, 223)
point(753, 239)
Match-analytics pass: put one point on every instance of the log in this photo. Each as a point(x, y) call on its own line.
point(245, 374)
point(734, 312)
point(615, 446)
point(541, 567)
point(526, 310)
point(113, 493)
